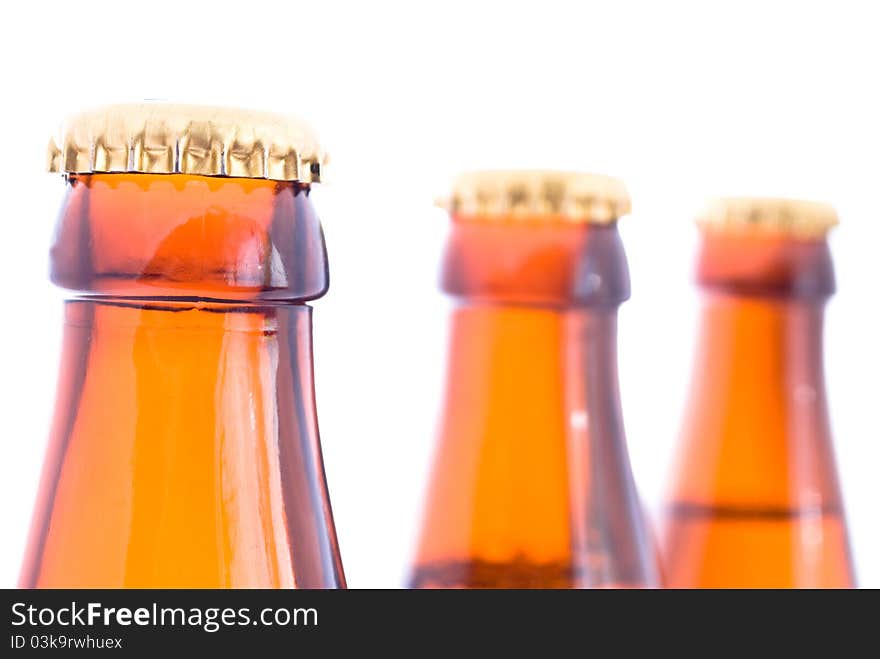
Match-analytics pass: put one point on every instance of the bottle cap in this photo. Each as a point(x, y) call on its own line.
point(790, 217)
point(160, 138)
point(534, 195)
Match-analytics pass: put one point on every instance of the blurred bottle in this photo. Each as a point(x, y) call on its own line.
point(531, 483)
point(755, 500)
point(184, 449)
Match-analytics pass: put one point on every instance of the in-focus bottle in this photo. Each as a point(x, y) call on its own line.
point(184, 448)
point(755, 499)
point(531, 484)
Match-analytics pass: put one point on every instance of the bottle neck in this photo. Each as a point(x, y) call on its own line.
point(184, 450)
point(183, 237)
point(755, 500)
point(200, 420)
point(529, 391)
point(531, 483)
point(754, 345)
point(757, 429)
point(762, 313)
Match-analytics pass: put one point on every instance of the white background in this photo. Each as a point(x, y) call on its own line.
point(682, 99)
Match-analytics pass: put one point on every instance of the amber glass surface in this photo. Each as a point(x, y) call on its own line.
point(755, 500)
point(184, 449)
point(531, 484)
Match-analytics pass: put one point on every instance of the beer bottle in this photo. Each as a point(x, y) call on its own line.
point(184, 448)
point(755, 500)
point(531, 484)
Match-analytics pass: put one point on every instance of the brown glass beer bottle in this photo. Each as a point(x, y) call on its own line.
point(531, 484)
point(184, 449)
point(755, 500)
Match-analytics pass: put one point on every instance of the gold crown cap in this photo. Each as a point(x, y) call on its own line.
point(794, 217)
point(162, 138)
point(573, 196)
